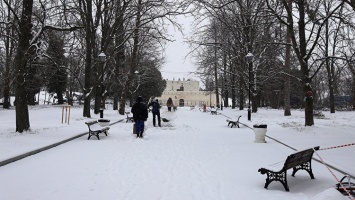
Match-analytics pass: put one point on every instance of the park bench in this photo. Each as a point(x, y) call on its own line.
point(213, 111)
point(96, 129)
point(296, 161)
point(129, 117)
point(233, 122)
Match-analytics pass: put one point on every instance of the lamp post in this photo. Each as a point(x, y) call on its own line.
point(102, 59)
point(249, 58)
point(138, 80)
point(222, 90)
point(211, 85)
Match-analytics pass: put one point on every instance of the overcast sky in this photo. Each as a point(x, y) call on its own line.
point(177, 65)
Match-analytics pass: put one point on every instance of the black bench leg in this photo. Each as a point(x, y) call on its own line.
point(281, 177)
point(90, 134)
point(97, 135)
point(232, 124)
point(305, 166)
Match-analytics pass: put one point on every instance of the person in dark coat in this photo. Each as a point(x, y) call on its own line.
point(155, 111)
point(140, 115)
point(169, 104)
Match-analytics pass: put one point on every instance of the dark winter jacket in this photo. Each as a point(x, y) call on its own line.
point(169, 103)
point(156, 106)
point(139, 111)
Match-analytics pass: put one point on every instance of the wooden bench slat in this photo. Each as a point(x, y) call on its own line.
point(301, 157)
point(300, 160)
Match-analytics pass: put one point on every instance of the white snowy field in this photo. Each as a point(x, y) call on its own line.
point(195, 156)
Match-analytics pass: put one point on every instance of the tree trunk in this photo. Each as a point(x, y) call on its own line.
point(6, 81)
point(330, 69)
point(98, 95)
point(304, 65)
point(9, 53)
point(241, 99)
point(120, 58)
point(134, 62)
point(215, 65)
point(233, 82)
point(21, 61)
point(301, 52)
point(353, 91)
point(89, 46)
point(309, 121)
point(287, 108)
point(60, 97)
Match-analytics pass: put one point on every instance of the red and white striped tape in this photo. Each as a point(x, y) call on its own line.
point(341, 185)
point(345, 145)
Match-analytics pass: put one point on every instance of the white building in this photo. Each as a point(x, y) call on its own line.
point(186, 93)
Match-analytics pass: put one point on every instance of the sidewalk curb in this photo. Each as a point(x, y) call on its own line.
point(19, 157)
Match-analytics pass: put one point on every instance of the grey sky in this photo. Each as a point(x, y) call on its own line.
point(177, 65)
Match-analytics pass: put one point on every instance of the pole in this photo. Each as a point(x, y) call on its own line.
point(102, 84)
point(102, 104)
point(249, 110)
point(210, 94)
point(222, 90)
point(102, 59)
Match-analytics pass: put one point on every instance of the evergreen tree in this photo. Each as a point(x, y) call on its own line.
point(56, 71)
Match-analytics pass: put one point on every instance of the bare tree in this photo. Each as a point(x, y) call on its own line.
point(148, 21)
point(243, 27)
point(28, 47)
point(304, 42)
point(8, 37)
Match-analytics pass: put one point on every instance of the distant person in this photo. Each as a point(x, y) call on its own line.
point(170, 104)
point(155, 111)
point(140, 115)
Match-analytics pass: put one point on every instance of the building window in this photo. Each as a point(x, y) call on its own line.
point(181, 103)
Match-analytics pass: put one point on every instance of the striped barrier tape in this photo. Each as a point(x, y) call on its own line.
point(331, 172)
point(345, 145)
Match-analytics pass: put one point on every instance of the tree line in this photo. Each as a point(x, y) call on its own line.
point(303, 53)
point(54, 46)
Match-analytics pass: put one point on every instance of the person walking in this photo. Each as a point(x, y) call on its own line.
point(155, 111)
point(170, 104)
point(140, 115)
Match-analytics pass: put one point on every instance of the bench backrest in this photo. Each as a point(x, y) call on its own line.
point(299, 157)
point(90, 123)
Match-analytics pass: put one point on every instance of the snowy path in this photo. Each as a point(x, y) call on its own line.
point(184, 159)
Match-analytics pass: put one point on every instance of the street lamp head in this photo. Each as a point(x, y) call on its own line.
point(136, 72)
point(102, 57)
point(250, 57)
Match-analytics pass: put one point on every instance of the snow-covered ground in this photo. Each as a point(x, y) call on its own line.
point(195, 156)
